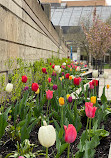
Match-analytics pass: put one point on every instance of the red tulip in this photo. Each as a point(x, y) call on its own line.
point(44, 70)
point(35, 87)
point(67, 75)
point(49, 79)
point(70, 133)
point(53, 66)
point(95, 82)
point(50, 63)
point(49, 94)
point(24, 79)
point(77, 81)
point(90, 110)
point(91, 85)
point(69, 66)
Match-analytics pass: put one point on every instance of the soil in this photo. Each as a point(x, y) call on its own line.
point(102, 150)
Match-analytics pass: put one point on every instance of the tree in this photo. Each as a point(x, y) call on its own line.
point(98, 37)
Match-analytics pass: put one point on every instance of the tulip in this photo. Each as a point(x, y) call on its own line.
point(67, 96)
point(91, 86)
point(76, 81)
point(49, 94)
point(21, 157)
point(44, 70)
point(35, 87)
point(62, 73)
point(9, 87)
point(61, 101)
point(38, 91)
point(70, 99)
point(90, 110)
point(70, 133)
point(62, 77)
point(55, 87)
point(49, 79)
point(64, 64)
point(105, 75)
point(53, 66)
point(70, 77)
point(107, 86)
point(47, 136)
point(95, 73)
point(93, 99)
point(95, 82)
point(78, 68)
point(26, 88)
point(24, 79)
point(70, 69)
point(67, 76)
point(70, 136)
point(50, 63)
point(57, 68)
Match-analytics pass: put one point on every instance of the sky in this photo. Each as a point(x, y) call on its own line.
point(107, 1)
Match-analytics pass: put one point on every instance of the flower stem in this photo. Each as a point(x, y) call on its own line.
point(68, 150)
point(46, 152)
point(87, 123)
point(89, 129)
point(47, 108)
point(62, 117)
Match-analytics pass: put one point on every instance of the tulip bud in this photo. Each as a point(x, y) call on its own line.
point(64, 64)
point(54, 87)
point(70, 99)
point(95, 73)
point(93, 99)
point(49, 94)
point(78, 68)
point(70, 77)
point(70, 133)
point(67, 75)
point(24, 79)
point(105, 75)
point(9, 87)
point(49, 79)
point(61, 101)
point(26, 88)
point(47, 135)
point(107, 86)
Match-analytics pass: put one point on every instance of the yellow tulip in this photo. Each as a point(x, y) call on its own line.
point(67, 96)
point(61, 101)
point(93, 99)
point(70, 77)
point(107, 86)
point(70, 69)
point(37, 92)
point(62, 77)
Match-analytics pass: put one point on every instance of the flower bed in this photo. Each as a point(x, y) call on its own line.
point(39, 116)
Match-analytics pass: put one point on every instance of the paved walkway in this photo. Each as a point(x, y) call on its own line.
point(107, 81)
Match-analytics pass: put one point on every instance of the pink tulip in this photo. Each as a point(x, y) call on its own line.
point(21, 157)
point(49, 79)
point(91, 86)
point(70, 133)
point(90, 110)
point(49, 94)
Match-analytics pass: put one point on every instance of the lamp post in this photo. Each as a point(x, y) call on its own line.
point(71, 53)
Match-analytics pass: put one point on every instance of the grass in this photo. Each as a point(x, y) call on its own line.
point(107, 66)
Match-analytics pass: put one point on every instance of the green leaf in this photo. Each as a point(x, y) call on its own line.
point(103, 97)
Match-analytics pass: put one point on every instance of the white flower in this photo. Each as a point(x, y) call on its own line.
point(9, 87)
point(78, 68)
point(105, 75)
point(57, 68)
point(47, 135)
point(95, 73)
point(72, 76)
point(64, 64)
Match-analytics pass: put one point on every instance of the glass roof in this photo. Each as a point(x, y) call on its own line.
point(73, 16)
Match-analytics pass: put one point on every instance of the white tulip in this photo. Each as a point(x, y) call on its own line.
point(9, 87)
point(64, 64)
point(47, 135)
point(78, 68)
point(57, 68)
point(95, 73)
point(72, 76)
point(105, 75)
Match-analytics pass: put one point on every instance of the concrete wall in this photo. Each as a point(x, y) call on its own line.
point(26, 32)
point(50, 1)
